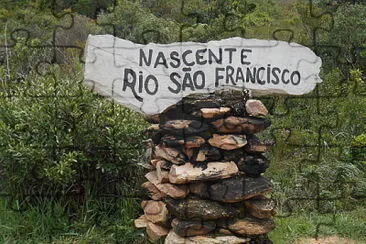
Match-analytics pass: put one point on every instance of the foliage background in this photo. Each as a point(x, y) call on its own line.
point(68, 158)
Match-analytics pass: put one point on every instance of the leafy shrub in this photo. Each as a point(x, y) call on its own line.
point(58, 138)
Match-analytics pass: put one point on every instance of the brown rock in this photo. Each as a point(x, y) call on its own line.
point(239, 188)
point(255, 108)
point(153, 177)
point(184, 127)
point(206, 154)
point(192, 228)
point(170, 154)
point(200, 189)
point(162, 163)
point(187, 142)
point(149, 131)
point(174, 191)
point(225, 231)
point(246, 125)
point(250, 226)
point(260, 207)
point(155, 232)
point(155, 211)
point(254, 145)
point(154, 192)
point(153, 119)
point(213, 171)
point(173, 238)
point(141, 222)
point(228, 142)
point(162, 175)
point(199, 209)
point(254, 164)
point(166, 189)
point(209, 113)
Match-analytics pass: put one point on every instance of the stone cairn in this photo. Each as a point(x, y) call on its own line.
point(206, 164)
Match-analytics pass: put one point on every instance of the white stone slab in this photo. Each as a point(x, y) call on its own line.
point(149, 78)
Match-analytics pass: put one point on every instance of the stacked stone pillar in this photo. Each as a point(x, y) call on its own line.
point(206, 183)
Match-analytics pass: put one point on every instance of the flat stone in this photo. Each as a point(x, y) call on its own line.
point(170, 154)
point(149, 131)
point(141, 222)
point(206, 153)
point(153, 119)
point(225, 231)
point(250, 226)
point(239, 188)
point(155, 232)
point(254, 145)
point(192, 228)
point(153, 191)
point(260, 207)
point(199, 209)
point(253, 164)
point(187, 142)
point(166, 189)
point(228, 142)
point(200, 189)
point(155, 211)
point(246, 125)
point(184, 127)
point(214, 170)
point(209, 113)
point(173, 238)
point(162, 163)
point(255, 108)
point(152, 176)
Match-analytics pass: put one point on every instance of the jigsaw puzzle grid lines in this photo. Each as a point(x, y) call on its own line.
point(330, 120)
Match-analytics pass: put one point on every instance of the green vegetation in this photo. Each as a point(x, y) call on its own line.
point(68, 157)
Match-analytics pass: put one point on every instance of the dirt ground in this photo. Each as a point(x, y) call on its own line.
point(326, 240)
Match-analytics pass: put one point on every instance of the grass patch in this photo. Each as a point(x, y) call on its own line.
point(351, 224)
point(49, 223)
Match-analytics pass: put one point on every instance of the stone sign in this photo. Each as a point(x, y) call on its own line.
point(149, 78)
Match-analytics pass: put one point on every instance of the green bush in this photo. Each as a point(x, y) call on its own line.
point(58, 138)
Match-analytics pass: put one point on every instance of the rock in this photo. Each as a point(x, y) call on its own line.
point(253, 164)
point(206, 153)
point(228, 142)
point(173, 238)
point(155, 232)
point(255, 108)
point(260, 207)
point(239, 188)
point(225, 231)
point(149, 131)
point(214, 170)
point(153, 177)
point(192, 228)
point(162, 175)
point(155, 211)
point(254, 145)
point(153, 119)
point(209, 113)
point(170, 154)
point(174, 191)
point(184, 127)
point(246, 125)
point(141, 222)
point(250, 226)
point(162, 163)
point(187, 142)
point(199, 209)
point(154, 192)
point(200, 189)
point(166, 189)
